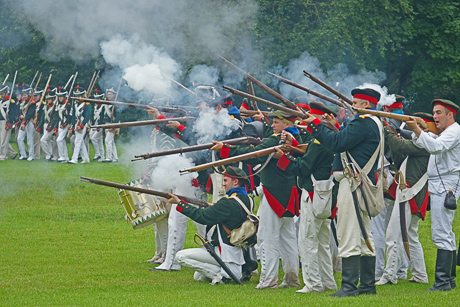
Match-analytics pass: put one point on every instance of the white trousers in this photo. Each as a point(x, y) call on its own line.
point(161, 237)
point(396, 255)
point(29, 132)
point(110, 148)
point(80, 146)
point(96, 136)
point(441, 222)
point(47, 146)
point(276, 238)
point(315, 254)
point(208, 269)
point(177, 229)
point(5, 147)
point(351, 241)
point(61, 143)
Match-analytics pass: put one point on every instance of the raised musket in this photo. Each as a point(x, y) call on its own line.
point(273, 105)
point(284, 100)
point(143, 123)
point(251, 91)
point(258, 153)
point(181, 86)
point(329, 88)
point(31, 83)
point(238, 141)
point(199, 202)
point(430, 126)
point(6, 79)
point(312, 92)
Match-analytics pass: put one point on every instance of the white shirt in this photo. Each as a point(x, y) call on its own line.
point(445, 155)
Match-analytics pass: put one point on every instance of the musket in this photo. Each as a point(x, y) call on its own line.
point(252, 112)
point(67, 100)
point(70, 79)
point(11, 94)
point(430, 126)
point(211, 250)
point(330, 89)
point(242, 140)
point(284, 100)
point(131, 105)
point(43, 95)
point(349, 174)
point(312, 92)
point(88, 93)
point(181, 86)
point(6, 79)
point(142, 123)
point(266, 102)
point(199, 202)
point(251, 91)
point(31, 83)
point(31, 99)
point(401, 182)
point(258, 153)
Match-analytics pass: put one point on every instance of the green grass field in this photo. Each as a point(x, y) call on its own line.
point(66, 243)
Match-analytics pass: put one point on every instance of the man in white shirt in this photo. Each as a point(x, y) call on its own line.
point(443, 175)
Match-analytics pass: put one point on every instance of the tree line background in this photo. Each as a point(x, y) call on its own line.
point(414, 42)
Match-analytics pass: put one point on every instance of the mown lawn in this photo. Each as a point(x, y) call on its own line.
point(66, 243)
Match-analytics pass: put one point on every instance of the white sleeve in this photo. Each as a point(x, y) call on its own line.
point(447, 140)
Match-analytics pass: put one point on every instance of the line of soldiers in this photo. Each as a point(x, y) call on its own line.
point(48, 119)
point(338, 181)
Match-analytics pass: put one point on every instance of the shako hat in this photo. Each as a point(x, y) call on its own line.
point(51, 92)
point(447, 104)
point(98, 94)
point(38, 91)
point(79, 91)
point(367, 94)
point(26, 89)
point(60, 91)
point(111, 90)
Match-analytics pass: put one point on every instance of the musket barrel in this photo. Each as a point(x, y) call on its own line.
point(330, 89)
point(300, 87)
point(266, 102)
point(254, 154)
point(241, 140)
point(143, 123)
point(284, 100)
point(195, 201)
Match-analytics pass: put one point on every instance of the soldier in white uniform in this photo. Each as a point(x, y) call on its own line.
point(443, 175)
point(96, 134)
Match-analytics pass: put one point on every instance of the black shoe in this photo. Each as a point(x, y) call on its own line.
point(96, 158)
point(443, 271)
point(48, 160)
point(14, 157)
point(367, 276)
point(350, 277)
point(79, 158)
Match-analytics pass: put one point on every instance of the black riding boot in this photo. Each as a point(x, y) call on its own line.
point(367, 276)
point(350, 277)
point(443, 271)
point(453, 273)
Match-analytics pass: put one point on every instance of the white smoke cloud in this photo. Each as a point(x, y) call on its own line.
point(385, 98)
point(339, 77)
point(211, 126)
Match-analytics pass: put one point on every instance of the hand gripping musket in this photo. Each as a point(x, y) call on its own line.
point(258, 153)
point(143, 123)
point(330, 89)
point(266, 102)
point(324, 97)
point(284, 100)
point(237, 141)
point(401, 182)
point(210, 248)
point(199, 202)
point(131, 105)
point(349, 174)
point(430, 126)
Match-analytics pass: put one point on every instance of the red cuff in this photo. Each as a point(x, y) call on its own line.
point(309, 130)
point(337, 126)
point(295, 143)
point(316, 121)
point(181, 127)
point(82, 126)
point(283, 162)
point(245, 106)
point(225, 152)
point(161, 117)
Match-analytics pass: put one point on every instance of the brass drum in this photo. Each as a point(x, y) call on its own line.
point(142, 209)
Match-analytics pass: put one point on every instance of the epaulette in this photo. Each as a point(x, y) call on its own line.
point(275, 134)
point(316, 141)
point(364, 115)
